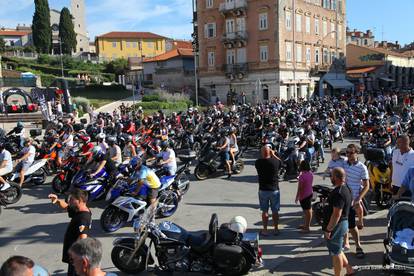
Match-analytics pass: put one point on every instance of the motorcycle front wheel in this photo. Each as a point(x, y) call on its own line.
point(183, 183)
point(120, 256)
point(13, 194)
point(167, 204)
point(112, 219)
point(201, 172)
point(39, 177)
point(59, 185)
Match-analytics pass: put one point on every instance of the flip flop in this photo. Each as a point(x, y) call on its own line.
point(359, 253)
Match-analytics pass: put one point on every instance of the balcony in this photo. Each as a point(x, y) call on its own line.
point(238, 70)
point(235, 39)
point(235, 8)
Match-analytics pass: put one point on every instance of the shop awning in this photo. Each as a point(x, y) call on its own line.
point(339, 83)
point(361, 70)
point(387, 79)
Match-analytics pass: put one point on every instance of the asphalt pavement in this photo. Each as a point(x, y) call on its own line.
point(35, 228)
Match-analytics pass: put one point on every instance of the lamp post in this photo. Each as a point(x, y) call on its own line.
point(61, 57)
point(195, 54)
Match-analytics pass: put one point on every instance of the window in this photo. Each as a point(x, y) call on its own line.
point(264, 54)
point(241, 24)
point(288, 51)
point(325, 28)
point(317, 56)
point(308, 55)
point(308, 24)
point(231, 57)
point(325, 56)
point(333, 56)
point(150, 45)
point(230, 26)
point(340, 6)
point(209, 3)
point(134, 45)
point(317, 26)
point(241, 55)
point(288, 21)
point(128, 45)
point(333, 4)
point(339, 32)
point(211, 56)
point(114, 44)
point(298, 23)
point(210, 30)
point(298, 53)
point(263, 21)
point(333, 32)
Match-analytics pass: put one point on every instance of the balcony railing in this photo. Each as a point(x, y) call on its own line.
point(235, 37)
point(238, 70)
point(233, 6)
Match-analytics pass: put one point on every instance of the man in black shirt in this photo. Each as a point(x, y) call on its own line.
point(80, 224)
point(336, 222)
point(268, 171)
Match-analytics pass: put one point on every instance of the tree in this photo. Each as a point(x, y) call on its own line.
point(2, 45)
point(118, 66)
point(67, 32)
point(42, 32)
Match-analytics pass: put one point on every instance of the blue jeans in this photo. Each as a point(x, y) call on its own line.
point(269, 199)
point(336, 243)
point(309, 153)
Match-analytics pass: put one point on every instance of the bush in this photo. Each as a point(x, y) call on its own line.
point(47, 79)
point(157, 105)
point(151, 98)
point(82, 103)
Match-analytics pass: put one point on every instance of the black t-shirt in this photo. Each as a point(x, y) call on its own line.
point(80, 224)
point(110, 166)
point(268, 171)
point(340, 197)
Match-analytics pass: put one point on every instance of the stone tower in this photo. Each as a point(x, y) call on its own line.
point(77, 9)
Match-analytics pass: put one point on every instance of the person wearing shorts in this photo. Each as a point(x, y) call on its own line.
point(335, 223)
point(304, 194)
point(269, 195)
point(28, 155)
point(6, 165)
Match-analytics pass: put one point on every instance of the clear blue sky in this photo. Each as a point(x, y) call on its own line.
point(172, 18)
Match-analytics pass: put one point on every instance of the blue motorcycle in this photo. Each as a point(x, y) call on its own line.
point(95, 186)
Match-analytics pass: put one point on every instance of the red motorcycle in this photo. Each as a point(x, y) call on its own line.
point(61, 182)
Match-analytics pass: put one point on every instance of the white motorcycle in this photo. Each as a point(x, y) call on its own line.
point(36, 173)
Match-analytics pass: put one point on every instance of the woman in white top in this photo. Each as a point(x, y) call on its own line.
point(234, 148)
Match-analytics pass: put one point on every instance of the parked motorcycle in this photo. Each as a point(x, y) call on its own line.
point(177, 250)
point(10, 193)
point(36, 173)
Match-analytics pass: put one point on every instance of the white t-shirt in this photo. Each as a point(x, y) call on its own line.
point(32, 150)
point(69, 138)
point(169, 153)
point(6, 156)
point(400, 165)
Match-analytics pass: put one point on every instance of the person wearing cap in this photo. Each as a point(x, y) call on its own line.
point(23, 163)
point(6, 164)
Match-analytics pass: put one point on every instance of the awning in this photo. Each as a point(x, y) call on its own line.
point(361, 70)
point(339, 83)
point(387, 79)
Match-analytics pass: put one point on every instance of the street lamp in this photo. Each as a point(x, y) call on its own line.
point(61, 57)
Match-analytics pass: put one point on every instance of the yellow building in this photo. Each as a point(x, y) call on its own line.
point(115, 45)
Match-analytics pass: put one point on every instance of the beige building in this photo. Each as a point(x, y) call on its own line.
point(269, 48)
point(359, 38)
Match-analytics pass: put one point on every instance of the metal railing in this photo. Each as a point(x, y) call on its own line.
point(236, 68)
point(17, 82)
point(236, 4)
point(240, 35)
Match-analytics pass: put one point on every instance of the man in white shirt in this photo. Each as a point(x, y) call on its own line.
point(6, 164)
point(27, 159)
point(402, 160)
point(168, 162)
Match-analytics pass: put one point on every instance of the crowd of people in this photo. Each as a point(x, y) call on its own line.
point(127, 135)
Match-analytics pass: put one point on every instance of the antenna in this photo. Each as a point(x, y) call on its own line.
point(382, 32)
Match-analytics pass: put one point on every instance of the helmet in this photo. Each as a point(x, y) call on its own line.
point(20, 124)
point(238, 224)
point(85, 139)
point(100, 136)
point(97, 152)
point(128, 138)
point(111, 140)
point(135, 162)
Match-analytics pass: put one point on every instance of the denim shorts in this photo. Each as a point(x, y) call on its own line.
point(269, 199)
point(225, 156)
point(336, 243)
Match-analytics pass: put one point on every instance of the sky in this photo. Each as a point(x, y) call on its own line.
point(388, 19)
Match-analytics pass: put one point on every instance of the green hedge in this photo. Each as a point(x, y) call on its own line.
point(81, 103)
point(47, 79)
point(151, 98)
point(155, 105)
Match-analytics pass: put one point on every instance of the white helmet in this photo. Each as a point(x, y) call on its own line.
point(101, 135)
point(238, 224)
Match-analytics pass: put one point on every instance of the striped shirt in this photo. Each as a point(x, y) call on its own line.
point(355, 173)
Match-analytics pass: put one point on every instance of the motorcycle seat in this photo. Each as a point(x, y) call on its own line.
point(200, 242)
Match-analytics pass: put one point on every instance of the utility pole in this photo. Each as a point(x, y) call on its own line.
point(294, 47)
point(61, 56)
point(195, 24)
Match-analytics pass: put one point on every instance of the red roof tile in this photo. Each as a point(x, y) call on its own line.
point(171, 54)
point(144, 35)
point(182, 44)
point(14, 33)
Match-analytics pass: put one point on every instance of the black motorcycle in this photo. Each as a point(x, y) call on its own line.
point(318, 207)
point(177, 250)
point(211, 164)
point(10, 193)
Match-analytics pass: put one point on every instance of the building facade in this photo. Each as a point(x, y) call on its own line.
point(268, 48)
point(17, 38)
point(378, 68)
point(115, 45)
point(359, 38)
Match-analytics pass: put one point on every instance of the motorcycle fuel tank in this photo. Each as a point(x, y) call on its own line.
point(173, 232)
